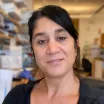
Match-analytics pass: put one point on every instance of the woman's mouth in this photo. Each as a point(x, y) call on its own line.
point(55, 61)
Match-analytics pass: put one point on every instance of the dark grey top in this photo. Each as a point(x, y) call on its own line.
point(21, 94)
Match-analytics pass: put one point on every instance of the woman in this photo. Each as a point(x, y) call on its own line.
point(54, 43)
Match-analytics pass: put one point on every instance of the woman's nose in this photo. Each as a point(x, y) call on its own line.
point(53, 47)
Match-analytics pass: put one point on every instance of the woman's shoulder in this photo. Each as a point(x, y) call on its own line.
point(18, 92)
point(95, 96)
point(91, 94)
point(14, 94)
point(95, 92)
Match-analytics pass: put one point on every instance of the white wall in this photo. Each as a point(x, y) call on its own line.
point(89, 29)
point(29, 4)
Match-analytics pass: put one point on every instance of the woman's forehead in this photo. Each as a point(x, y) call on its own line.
point(44, 25)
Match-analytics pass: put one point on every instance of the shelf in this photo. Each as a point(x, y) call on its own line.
point(2, 36)
point(9, 18)
point(102, 46)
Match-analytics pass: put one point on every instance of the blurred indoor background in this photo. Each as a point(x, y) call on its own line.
point(17, 64)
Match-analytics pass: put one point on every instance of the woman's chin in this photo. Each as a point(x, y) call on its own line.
point(56, 74)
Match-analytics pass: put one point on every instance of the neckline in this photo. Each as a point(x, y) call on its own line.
point(83, 90)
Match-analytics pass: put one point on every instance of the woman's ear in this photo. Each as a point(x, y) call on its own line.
point(76, 46)
point(77, 43)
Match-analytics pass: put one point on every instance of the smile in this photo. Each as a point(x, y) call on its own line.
point(55, 61)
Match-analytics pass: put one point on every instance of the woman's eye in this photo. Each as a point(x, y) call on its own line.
point(61, 38)
point(41, 41)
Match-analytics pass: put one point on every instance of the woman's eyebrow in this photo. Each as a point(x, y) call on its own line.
point(60, 30)
point(38, 34)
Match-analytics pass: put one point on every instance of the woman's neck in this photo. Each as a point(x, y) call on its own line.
point(63, 86)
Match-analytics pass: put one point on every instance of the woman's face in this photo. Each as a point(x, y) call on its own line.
point(53, 47)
